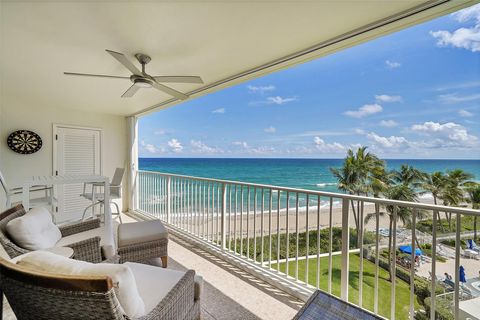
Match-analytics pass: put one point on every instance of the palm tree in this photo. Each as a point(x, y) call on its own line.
point(378, 180)
point(403, 185)
point(408, 176)
point(353, 176)
point(454, 190)
point(348, 180)
point(401, 192)
point(435, 184)
point(473, 191)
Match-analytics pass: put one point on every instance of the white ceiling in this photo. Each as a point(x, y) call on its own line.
point(214, 40)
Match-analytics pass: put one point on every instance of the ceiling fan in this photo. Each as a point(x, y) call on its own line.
point(141, 79)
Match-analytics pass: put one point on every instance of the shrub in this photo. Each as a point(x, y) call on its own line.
point(369, 238)
point(451, 243)
point(443, 309)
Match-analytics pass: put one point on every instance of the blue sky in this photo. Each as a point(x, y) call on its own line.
point(412, 94)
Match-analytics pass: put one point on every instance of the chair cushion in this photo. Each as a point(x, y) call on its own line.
point(141, 232)
point(35, 230)
point(121, 275)
point(153, 282)
point(107, 250)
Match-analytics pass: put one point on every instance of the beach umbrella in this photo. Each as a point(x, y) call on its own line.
point(408, 249)
point(470, 244)
point(462, 278)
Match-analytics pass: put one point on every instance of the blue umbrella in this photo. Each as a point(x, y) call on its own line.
point(462, 278)
point(408, 249)
point(470, 244)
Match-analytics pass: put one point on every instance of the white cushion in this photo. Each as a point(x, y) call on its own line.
point(121, 275)
point(153, 283)
point(107, 250)
point(141, 232)
point(35, 230)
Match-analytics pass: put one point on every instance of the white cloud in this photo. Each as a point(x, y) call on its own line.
point(150, 148)
point(264, 150)
point(455, 98)
point(219, 110)
point(243, 144)
point(388, 123)
point(175, 145)
point(279, 100)
point(467, 14)
point(261, 150)
point(322, 146)
point(323, 133)
point(465, 113)
point(261, 89)
point(446, 135)
point(461, 85)
point(387, 98)
point(388, 142)
point(200, 147)
point(365, 110)
point(438, 136)
point(270, 130)
point(160, 132)
point(392, 64)
point(467, 37)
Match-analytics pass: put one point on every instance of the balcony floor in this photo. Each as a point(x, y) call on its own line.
point(229, 292)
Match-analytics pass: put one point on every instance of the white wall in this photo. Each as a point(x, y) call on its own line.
point(40, 119)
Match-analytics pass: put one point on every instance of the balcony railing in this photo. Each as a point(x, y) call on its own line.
point(295, 235)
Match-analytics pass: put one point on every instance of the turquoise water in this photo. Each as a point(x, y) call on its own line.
point(313, 174)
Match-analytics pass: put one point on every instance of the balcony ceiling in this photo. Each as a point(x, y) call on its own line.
point(214, 40)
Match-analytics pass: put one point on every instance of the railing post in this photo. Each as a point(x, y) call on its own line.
point(169, 198)
point(223, 218)
point(345, 249)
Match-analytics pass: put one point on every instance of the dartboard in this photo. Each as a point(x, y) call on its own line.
point(24, 141)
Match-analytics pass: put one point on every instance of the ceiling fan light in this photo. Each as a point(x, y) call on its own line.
point(142, 83)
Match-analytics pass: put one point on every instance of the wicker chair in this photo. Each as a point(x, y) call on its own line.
point(36, 295)
point(86, 250)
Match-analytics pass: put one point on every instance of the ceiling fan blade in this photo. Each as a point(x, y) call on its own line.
point(170, 91)
point(131, 91)
point(125, 62)
point(179, 79)
point(93, 75)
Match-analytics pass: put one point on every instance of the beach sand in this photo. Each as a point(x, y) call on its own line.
point(236, 223)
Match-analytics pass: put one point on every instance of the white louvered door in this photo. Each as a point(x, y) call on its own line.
point(78, 152)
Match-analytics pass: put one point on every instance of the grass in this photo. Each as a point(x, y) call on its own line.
point(384, 285)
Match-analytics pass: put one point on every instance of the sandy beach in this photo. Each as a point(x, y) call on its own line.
point(277, 221)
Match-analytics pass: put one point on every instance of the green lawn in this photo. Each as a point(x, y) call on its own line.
point(384, 289)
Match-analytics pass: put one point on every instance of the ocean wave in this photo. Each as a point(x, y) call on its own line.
point(323, 204)
point(326, 184)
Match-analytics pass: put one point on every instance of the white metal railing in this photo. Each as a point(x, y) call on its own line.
point(279, 229)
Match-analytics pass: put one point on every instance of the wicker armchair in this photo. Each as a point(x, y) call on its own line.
point(88, 249)
point(37, 295)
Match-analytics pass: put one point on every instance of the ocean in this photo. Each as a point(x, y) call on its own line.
point(313, 174)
